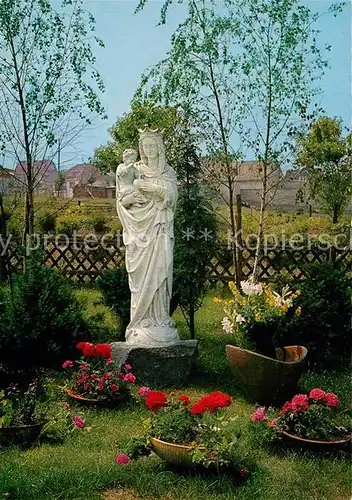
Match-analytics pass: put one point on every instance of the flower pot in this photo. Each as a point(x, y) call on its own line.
point(265, 379)
point(176, 454)
point(24, 434)
point(96, 401)
point(299, 442)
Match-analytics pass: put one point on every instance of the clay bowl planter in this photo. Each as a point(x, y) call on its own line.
point(175, 454)
point(264, 379)
point(314, 445)
point(24, 434)
point(96, 401)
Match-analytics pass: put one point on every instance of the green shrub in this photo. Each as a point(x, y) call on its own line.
point(40, 320)
point(114, 285)
point(47, 223)
point(101, 322)
point(98, 222)
point(324, 324)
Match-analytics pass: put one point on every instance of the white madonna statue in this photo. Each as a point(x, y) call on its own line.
point(146, 197)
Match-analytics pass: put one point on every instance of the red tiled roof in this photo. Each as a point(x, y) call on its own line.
point(84, 173)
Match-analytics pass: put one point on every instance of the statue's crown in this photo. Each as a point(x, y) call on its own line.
point(148, 132)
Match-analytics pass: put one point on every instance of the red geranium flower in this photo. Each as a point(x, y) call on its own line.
point(286, 407)
point(103, 351)
point(317, 394)
point(185, 399)
point(81, 345)
point(300, 402)
point(88, 350)
point(211, 402)
point(331, 399)
point(155, 400)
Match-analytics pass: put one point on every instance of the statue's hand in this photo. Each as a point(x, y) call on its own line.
point(132, 198)
point(149, 187)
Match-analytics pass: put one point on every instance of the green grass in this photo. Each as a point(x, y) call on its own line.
point(83, 467)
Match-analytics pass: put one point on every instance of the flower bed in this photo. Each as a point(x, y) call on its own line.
point(96, 380)
point(185, 432)
point(254, 314)
point(312, 417)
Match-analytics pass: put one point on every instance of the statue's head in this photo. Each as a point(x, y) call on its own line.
point(129, 156)
point(151, 146)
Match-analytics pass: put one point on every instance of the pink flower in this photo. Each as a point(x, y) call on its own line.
point(84, 366)
point(94, 376)
point(317, 394)
point(108, 376)
point(331, 399)
point(114, 387)
point(67, 364)
point(101, 386)
point(64, 404)
point(300, 402)
point(122, 459)
point(108, 362)
point(85, 387)
point(127, 367)
point(79, 422)
point(130, 378)
point(143, 392)
point(258, 415)
point(273, 423)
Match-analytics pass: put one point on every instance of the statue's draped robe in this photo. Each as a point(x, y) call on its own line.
point(149, 239)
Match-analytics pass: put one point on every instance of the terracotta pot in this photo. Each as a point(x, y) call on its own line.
point(312, 444)
point(265, 379)
point(24, 434)
point(176, 454)
point(96, 401)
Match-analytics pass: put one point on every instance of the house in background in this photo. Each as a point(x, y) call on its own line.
point(44, 174)
point(250, 176)
point(86, 181)
point(299, 174)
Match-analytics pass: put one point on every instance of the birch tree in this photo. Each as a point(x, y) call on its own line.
point(48, 83)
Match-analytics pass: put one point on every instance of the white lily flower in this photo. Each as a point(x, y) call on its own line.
point(227, 326)
point(250, 288)
point(240, 318)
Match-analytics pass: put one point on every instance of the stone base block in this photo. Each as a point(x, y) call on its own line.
point(166, 366)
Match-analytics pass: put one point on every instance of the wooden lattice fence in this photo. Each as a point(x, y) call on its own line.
point(82, 262)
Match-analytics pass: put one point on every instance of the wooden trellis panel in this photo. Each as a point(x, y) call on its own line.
point(82, 263)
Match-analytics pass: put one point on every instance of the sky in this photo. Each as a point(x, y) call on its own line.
point(133, 42)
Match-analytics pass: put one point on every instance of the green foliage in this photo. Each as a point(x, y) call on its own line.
point(256, 314)
point(47, 223)
point(40, 320)
point(124, 133)
point(114, 285)
point(100, 321)
point(175, 425)
point(195, 228)
point(324, 324)
point(327, 156)
point(18, 406)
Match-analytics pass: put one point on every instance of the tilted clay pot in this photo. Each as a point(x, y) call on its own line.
point(265, 379)
point(176, 454)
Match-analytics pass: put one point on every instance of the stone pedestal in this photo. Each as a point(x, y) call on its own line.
point(166, 366)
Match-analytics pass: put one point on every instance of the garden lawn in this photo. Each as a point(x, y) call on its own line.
point(84, 466)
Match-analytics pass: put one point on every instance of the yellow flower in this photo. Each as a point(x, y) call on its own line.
point(258, 316)
point(217, 300)
point(298, 311)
